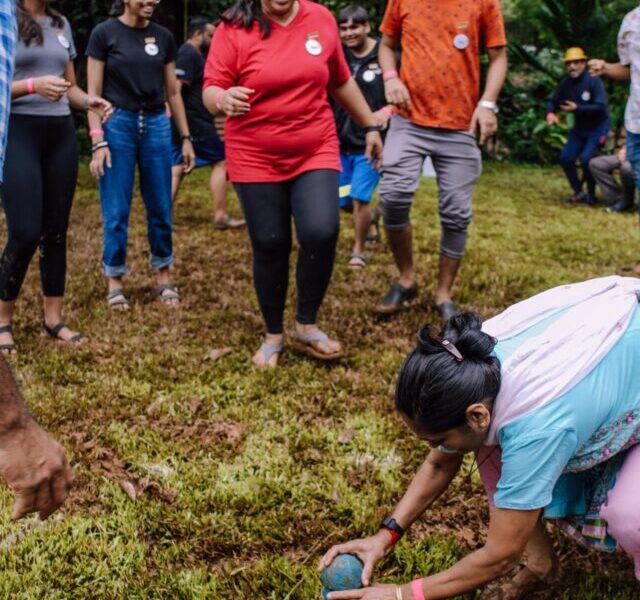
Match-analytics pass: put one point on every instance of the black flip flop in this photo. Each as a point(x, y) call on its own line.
point(54, 332)
point(447, 310)
point(8, 349)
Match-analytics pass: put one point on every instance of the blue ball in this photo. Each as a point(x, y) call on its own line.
point(344, 573)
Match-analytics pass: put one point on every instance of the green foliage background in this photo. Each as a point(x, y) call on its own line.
point(538, 32)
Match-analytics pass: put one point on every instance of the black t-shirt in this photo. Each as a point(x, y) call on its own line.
point(190, 70)
point(134, 63)
point(368, 75)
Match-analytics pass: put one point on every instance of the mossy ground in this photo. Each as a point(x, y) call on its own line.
point(241, 476)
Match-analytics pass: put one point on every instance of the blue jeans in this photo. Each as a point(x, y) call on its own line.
point(584, 145)
point(633, 156)
point(143, 138)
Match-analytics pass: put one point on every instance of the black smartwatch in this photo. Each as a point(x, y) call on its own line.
point(392, 525)
point(186, 136)
point(372, 128)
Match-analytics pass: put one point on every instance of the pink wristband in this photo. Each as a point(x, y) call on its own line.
point(416, 589)
point(31, 86)
point(389, 75)
point(219, 98)
point(96, 132)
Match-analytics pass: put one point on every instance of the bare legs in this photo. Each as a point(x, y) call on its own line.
point(400, 242)
point(362, 223)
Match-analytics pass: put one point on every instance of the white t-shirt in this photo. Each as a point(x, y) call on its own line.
point(629, 53)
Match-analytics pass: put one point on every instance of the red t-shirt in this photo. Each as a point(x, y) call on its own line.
point(290, 128)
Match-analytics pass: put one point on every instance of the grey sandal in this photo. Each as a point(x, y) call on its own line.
point(113, 303)
point(166, 293)
point(268, 349)
point(8, 349)
point(358, 260)
point(308, 343)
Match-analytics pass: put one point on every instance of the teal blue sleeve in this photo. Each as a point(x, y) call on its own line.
point(531, 466)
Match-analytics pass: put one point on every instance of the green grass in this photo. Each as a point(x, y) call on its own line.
point(248, 482)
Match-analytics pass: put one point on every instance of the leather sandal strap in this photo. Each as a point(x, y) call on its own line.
point(168, 287)
point(6, 329)
point(115, 293)
point(55, 330)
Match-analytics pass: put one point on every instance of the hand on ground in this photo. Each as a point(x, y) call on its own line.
point(34, 465)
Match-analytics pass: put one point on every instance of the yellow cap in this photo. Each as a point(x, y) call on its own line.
point(574, 54)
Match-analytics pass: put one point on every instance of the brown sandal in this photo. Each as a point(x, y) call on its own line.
point(519, 584)
point(309, 344)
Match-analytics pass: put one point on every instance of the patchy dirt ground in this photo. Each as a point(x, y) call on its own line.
point(200, 477)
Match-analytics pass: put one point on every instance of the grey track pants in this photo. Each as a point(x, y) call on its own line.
point(602, 168)
point(458, 163)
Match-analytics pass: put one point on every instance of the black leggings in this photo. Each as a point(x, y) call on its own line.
point(312, 200)
point(40, 175)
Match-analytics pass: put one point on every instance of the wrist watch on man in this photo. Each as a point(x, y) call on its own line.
point(490, 105)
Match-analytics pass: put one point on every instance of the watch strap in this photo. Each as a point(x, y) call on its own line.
point(394, 529)
point(490, 105)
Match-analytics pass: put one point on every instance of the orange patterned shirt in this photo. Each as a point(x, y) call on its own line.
point(441, 42)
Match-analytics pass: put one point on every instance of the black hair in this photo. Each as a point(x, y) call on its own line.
point(197, 25)
point(434, 389)
point(354, 12)
point(29, 29)
point(117, 8)
point(244, 13)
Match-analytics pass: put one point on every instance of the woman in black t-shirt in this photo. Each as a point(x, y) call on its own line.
point(131, 62)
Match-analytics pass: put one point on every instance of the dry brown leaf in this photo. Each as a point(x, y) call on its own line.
point(217, 353)
point(129, 489)
point(346, 436)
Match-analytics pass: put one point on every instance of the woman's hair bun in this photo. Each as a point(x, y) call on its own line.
point(464, 330)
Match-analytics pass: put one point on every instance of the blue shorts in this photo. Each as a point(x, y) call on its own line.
point(358, 179)
point(208, 152)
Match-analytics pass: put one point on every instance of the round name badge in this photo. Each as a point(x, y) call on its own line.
point(461, 41)
point(151, 49)
point(64, 42)
point(313, 47)
point(586, 95)
point(368, 76)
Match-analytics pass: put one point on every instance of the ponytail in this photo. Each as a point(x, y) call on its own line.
point(29, 29)
point(244, 13)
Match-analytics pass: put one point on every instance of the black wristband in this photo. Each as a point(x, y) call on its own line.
point(372, 128)
point(186, 136)
point(392, 524)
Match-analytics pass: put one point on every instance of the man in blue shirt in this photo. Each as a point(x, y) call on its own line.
point(584, 96)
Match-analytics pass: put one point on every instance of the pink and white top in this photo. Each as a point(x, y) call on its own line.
point(629, 54)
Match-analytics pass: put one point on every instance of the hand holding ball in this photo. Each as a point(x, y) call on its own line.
point(344, 573)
